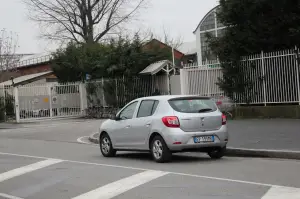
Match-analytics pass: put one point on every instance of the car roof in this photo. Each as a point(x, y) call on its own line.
point(168, 97)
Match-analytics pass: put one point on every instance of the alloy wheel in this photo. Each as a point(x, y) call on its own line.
point(157, 149)
point(105, 146)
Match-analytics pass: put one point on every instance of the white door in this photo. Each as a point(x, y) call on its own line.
point(141, 125)
point(123, 125)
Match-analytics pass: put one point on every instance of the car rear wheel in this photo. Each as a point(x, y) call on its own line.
point(217, 153)
point(160, 150)
point(106, 147)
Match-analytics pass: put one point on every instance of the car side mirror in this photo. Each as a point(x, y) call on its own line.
point(114, 117)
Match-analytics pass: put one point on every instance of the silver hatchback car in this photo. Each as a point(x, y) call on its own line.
point(164, 125)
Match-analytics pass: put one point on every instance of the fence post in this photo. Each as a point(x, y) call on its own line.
point(298, 84)
point(50, 100)
point(4, 102)
point(17, 107)
point(168, 80)
point(263, 73)
point(182, 81)
point(117, 101)
point(124, 91)
point(83, 98)
point(103, 96)
point(208, 79)
point(298, 71)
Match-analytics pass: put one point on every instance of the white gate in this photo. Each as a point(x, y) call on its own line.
point(200, 80)
point(47, 101)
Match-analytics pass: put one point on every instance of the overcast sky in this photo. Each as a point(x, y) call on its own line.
point(179, 18)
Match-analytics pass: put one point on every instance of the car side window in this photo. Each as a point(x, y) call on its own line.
point(154, 107)
point(127, 113)
point(147, 108)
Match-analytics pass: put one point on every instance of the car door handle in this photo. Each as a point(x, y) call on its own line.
point(147, 125)
point(128, 126)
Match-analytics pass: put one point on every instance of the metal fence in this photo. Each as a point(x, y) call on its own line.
point(274, 77)
point(106, 96)
point(97, 99)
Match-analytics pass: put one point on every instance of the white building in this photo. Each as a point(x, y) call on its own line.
point(209, 24)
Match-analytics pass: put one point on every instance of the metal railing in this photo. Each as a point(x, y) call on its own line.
point(34, 60)
point(274, 76)
point(119, 91)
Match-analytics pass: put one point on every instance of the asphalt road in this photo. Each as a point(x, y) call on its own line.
point(45, 161)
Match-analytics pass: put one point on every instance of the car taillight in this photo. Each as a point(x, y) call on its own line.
point(224, 120)
point(171, 121)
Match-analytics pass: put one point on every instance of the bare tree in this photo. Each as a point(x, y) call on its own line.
point(173, 42)
point(82, 21)
point(8, 57)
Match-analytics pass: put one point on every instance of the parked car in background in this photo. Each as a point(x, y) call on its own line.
point(164, 125)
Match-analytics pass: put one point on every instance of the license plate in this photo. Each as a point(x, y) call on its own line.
point(203, 139)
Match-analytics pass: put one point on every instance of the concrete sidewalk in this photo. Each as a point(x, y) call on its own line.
point(46, 122)
point(271, 134)
point(10, 125)
point(274, 138)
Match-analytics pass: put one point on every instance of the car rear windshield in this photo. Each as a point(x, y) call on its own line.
point(193, 105)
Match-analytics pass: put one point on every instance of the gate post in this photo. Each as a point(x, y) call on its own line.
point(50, 100)
point(208, 78)
point(17, 108)
point(182, 81)
point(264, 77)
point(83, 97)
point(296, 51)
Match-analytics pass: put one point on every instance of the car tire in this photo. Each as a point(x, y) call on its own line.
point(106, 147)
point(217, 153)
point(159, 150)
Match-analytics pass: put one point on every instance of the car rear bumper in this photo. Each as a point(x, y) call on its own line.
point(178, 140)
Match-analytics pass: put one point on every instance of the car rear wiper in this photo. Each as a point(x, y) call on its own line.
point(204, 110)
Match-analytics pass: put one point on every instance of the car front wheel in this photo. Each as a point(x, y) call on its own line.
point(160, 150)
point(217, 153)
point(106, 147)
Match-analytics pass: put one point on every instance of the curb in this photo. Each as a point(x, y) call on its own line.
point(94, 138)
point(263, 153)
point(241, 152)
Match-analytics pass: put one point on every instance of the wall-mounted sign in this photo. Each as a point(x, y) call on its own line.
point(54, 100)
point(46, 99)
point(87, 76)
